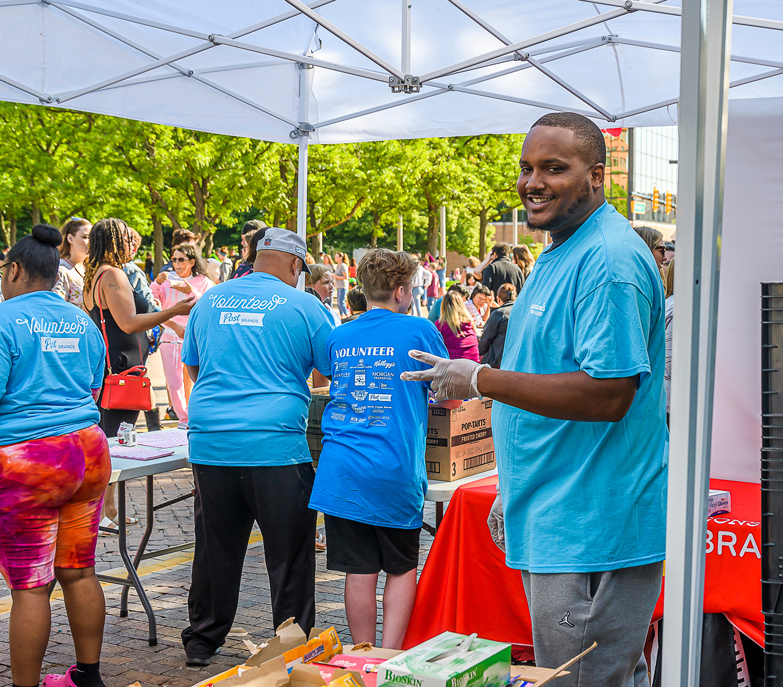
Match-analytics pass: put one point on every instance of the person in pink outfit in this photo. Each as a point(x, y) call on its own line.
point(190, 278)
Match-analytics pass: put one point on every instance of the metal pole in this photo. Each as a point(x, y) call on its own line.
point(515, 222)
point(443, 233)
point(405, 62)
point(305, 72)
point(703, 120)
point(631, 168)
point(399, 233)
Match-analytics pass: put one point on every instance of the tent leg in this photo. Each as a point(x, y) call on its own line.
point(301, 198)
point(399, 233)
point(703, 119)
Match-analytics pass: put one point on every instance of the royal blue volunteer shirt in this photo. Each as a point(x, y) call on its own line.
point(255, 340)
point(51, 357)
point(372, 468)
point(587, 496)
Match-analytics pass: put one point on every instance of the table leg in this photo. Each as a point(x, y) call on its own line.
point(126, 559)
point(438, 513)
point(142, 545)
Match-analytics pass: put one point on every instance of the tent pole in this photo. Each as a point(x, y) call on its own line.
point(305, 76)
point(703, 122)
point(405, 61)
point(399, 233)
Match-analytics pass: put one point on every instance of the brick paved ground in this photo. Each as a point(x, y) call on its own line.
point(127, 656)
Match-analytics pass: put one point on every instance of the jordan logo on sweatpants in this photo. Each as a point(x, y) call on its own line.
point(566, 621)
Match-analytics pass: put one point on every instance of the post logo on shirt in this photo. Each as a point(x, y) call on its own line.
point(51, 345)
point(243, 319)
point(538, 309)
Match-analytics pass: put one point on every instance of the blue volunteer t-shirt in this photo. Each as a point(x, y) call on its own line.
point(372, 467)
point(587, 496)
point(51, 357)
point(256, 341)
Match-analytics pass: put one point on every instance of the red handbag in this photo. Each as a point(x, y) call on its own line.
point(129, 390)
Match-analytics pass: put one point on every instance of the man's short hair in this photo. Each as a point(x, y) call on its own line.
point(506, 293)
point(502, 250)
point(253, 225)
point(381, 271)
point(181, 236)
point(586, 132)
point(357, 301)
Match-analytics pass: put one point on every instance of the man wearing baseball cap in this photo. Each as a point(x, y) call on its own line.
point(250, 346)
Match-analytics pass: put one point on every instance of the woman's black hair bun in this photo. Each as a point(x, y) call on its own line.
point(45, 233)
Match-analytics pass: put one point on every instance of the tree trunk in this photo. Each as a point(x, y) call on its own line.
point(376, 229)
point(433, 230)
point(36, 215)
point(209, 241)
point(157, 243)
point(483, 223)
point(3, 235)
point(11, 229)
point(317, 245)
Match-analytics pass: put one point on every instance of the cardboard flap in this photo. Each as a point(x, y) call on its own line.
point(289, 636)
point(367, 650)
point(270, 674)
point(306, 676)
point(535, 675)
point(557, 672)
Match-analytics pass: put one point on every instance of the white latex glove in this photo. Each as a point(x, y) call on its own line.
point(497, 527)
point(451, 379)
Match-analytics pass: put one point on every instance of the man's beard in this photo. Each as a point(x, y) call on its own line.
point(558, 222)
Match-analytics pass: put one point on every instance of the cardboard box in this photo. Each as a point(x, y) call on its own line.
point(274, 673)
point(719, 502)
point(362, 658)
point(459, 441)
point(449, 660)
point(291, 643)
point(531, 676)
point(320, 399)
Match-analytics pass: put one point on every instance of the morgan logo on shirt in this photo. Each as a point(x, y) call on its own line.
point(538, 309)
point(50, 345)
point(244, 319)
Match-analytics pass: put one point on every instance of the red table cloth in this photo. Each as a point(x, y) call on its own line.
point(466, 587)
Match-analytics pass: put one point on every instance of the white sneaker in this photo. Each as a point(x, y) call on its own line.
point(183, 425)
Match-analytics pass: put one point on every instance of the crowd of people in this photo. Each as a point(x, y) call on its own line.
point(572, 347)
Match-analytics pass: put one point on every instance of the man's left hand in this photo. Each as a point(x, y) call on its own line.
point(450, 379)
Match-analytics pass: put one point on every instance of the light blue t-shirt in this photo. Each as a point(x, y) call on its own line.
point(51, 357)
point(587, 496)
point(372, 468)
point(256, 341)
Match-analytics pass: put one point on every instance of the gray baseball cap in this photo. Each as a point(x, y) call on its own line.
point(286, 242)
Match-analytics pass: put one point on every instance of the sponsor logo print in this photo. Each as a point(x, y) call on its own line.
point(538, 309)
point(359, 395)
point(244, 319)
point(380, 397)
point(50, 345)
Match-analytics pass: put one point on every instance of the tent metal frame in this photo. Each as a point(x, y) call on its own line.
point(704, 83)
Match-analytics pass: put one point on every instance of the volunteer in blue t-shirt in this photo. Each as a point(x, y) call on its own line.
point(372, 476)
point(250, 346)
point(54, 461)
point(580, 431)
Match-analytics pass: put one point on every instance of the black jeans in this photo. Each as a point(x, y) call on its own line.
point(228, 501)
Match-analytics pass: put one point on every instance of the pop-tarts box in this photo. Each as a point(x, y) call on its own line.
point(719, 502)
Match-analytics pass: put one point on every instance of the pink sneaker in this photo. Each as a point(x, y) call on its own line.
point(60, 680)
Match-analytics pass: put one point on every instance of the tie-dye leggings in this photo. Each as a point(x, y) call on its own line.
point(51, 495)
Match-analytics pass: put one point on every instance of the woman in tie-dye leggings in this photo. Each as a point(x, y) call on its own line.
point(54, 464)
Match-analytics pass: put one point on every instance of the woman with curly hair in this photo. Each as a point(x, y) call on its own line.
point(108, 296)
point(189, 278)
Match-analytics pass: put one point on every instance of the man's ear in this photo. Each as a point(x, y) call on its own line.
point(597, 174)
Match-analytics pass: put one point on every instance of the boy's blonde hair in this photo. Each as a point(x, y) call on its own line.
point(381, 271)
point(453, 312)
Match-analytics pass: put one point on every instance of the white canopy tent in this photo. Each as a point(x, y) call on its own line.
point(350, 70)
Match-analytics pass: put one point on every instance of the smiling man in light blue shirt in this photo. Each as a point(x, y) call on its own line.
point(580, 434)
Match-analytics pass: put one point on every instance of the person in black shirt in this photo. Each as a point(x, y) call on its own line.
point(502, 270)
point(357, 302)
point(493, 339)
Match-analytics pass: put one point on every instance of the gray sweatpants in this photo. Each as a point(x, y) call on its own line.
point(572, 610)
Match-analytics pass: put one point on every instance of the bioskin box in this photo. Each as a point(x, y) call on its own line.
point(449, 660)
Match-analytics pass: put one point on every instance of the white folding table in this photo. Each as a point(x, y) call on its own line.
point(122, 470)
point(440, 492)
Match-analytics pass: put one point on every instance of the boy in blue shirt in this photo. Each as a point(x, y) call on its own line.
point(371, 476)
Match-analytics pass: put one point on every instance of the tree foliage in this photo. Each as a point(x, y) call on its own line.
point(56, 163)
